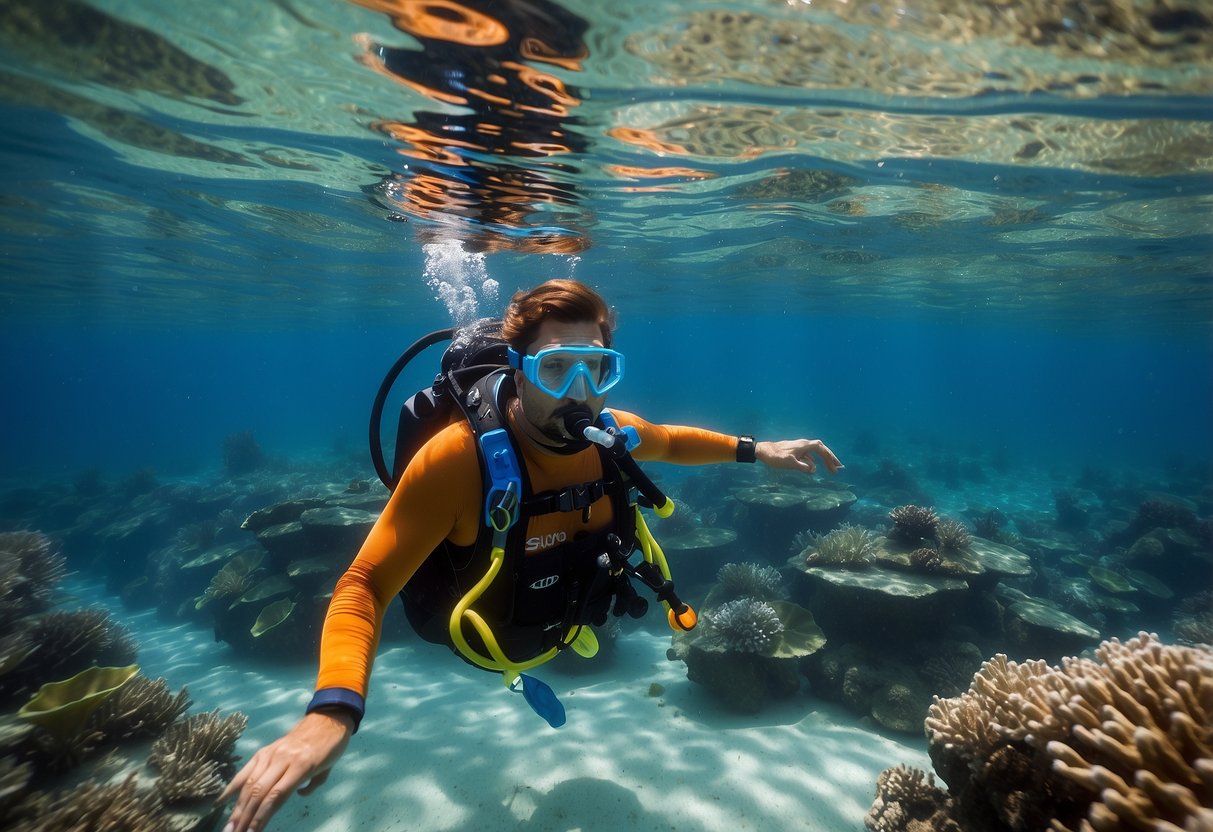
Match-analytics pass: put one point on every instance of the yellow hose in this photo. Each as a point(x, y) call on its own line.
point(497, 659)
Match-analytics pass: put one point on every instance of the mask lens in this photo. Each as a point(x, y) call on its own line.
point(558, 371)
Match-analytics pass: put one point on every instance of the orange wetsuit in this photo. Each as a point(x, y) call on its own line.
point(440, 497)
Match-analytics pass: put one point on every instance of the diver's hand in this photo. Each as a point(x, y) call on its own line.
point(797, 455)
point(304, 755)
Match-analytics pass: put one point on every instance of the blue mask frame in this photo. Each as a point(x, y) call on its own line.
point(611, 370)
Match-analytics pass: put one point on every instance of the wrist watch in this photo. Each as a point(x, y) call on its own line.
point(746, 449)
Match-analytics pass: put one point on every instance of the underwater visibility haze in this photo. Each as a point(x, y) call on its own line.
point(966, 243)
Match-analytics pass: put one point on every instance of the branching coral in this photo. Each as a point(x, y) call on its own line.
point(102, 808)
point(58, 753)
point(989, 525)
point(927, 559)
point(31, 566)
point(68, 642)
point(951, 535)
point(1123, 741)
point(932, 561)
point(141, 708)
point(744, 626)
point(913, 523)
point(907, 800)
point(79, 638)
point(195, 755)
point(750, 580)
point(14, 782)
point(845, 546)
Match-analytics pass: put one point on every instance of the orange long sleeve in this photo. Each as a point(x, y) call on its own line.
point(440, 497)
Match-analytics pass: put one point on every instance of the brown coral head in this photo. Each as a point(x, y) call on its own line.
point(1163, 514)
point(913, 523)
point(926, 559)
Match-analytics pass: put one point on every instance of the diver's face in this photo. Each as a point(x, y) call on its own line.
point(543, 411)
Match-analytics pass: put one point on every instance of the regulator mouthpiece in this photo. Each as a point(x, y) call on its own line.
point(579, 422)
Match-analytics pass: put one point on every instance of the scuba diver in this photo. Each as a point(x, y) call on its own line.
point(508, 531)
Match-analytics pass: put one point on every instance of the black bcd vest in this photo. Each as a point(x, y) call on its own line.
point(536, 600)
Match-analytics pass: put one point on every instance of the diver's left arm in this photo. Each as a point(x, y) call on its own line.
point(684, 445)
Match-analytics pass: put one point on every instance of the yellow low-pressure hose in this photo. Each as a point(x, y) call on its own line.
point(497, 659)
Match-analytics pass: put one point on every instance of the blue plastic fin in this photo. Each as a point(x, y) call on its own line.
point(541, 698)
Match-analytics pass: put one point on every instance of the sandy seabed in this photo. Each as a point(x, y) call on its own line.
point(446, 747)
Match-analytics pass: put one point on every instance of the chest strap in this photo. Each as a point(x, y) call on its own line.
point(572, 498)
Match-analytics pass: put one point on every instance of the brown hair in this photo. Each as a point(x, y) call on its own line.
point(566, 301)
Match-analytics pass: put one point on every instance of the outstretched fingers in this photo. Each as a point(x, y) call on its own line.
point(831, 462)
point(263, 787)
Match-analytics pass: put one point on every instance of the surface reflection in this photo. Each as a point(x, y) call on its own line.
point(489, 172)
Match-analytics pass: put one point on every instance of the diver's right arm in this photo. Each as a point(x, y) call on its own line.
point(426, 507)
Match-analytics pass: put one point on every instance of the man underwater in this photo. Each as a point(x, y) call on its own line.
point(434, 524)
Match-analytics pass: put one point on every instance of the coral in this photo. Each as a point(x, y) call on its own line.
point(1162, 514)
point(1193, 619)
point(141, 708)
point(913, 523)
point(142, 481)
point(15, 648)
point(951, 535)
point(907, 800)
point(1118, 742)
point(927, 559)
point(195, 755)
point(744, 626)
point(899, 706)
point(68, 642)
point(55, 753)
point(242, 454)
point(845, 546)
point(749, 580)
point(183, 780)
point(31, 566)
point(100, 808)
point(989, 524)
point(14, 782)
point(950, 667)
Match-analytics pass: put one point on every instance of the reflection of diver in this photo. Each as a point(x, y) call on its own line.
point(480, 55)
point(510, 527)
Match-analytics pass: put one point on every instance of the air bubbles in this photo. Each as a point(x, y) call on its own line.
point(453, 275)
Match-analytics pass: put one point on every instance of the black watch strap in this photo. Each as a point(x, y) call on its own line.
point(746, 449)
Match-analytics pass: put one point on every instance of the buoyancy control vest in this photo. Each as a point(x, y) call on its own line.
point(537, 600)
point(528, 606)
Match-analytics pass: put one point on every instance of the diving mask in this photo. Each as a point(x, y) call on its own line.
point(576, 372)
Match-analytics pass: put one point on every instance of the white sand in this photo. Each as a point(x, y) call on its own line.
point(445, 747)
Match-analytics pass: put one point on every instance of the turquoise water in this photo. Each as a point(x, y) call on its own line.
point(928, 234)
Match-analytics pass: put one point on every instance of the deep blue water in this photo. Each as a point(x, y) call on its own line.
point(166, 400)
